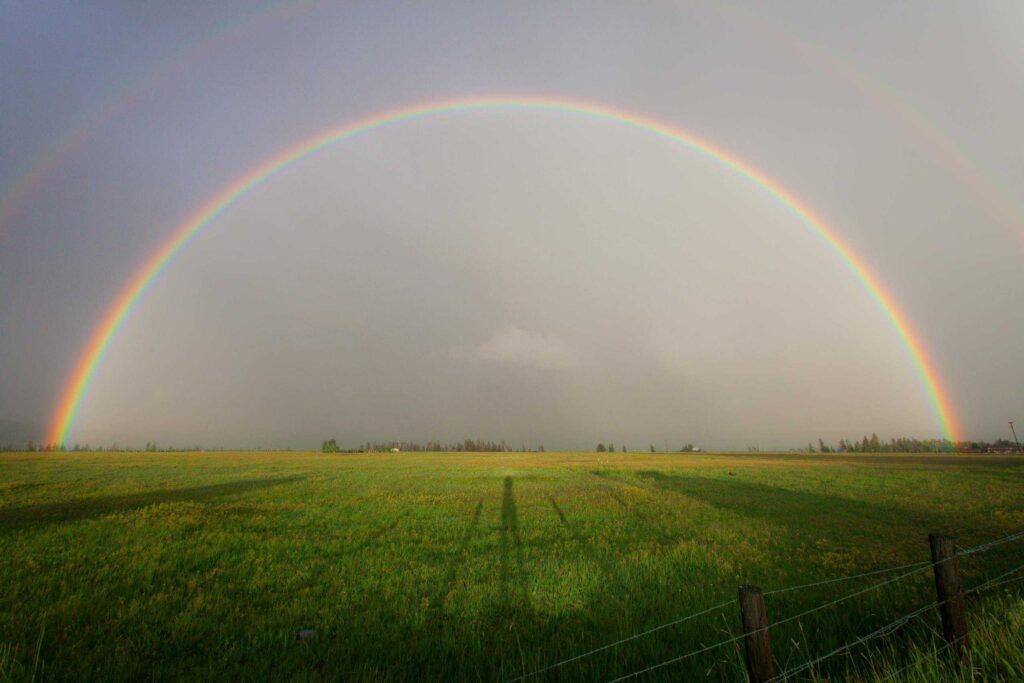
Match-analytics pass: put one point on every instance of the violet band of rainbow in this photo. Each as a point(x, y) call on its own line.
point(91, 357)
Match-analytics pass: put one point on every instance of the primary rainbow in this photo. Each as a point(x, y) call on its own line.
point(92, 356)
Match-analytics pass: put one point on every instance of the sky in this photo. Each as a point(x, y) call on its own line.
point(540, 277)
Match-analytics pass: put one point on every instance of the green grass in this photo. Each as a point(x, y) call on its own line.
point(483, 566)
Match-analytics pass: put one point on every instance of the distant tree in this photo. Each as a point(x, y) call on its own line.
point(623, 449)
point(611, 448)
point(876, 446)
point(821, 446)
point(540, 449)
point(600, 448)
point(810, 447)
point(31, 447)
point(330, 446)
point(865, 445)
point(652, 448)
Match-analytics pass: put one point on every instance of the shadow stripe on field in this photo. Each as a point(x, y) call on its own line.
point(42, 514)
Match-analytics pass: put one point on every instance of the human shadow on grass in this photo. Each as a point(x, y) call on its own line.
point(511, 635)
point(513, 581)
point(43, 514)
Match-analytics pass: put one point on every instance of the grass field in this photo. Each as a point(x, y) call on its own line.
point(483, 566)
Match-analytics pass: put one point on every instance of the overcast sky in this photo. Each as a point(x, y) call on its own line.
point(538, 277)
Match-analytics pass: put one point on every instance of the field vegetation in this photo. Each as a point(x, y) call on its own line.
point(199, 566)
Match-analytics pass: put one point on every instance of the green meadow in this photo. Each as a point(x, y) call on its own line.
point(206, 566)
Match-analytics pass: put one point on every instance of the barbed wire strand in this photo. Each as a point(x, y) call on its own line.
point(706, 611)
point(851, 577)
point(960, 550)
point(770, 626)
point(877, 633)
point(623, 640)
point(919, 565)
point(888, 628)
point(992, 544)
point(926, 565)
point(936, 652)
point(702, 650)
point(969, 551)
point(996, 581)
point(914, 566)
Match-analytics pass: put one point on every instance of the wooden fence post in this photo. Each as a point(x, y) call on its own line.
point(949, 591)
point(755, 628)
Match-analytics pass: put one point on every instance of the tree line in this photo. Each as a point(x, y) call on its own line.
point(907, 444)
point(463, 446)
point(150, 447)
point(867, 444)
point(610, 448)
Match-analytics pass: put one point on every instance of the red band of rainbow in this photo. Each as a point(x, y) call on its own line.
point(92, 356)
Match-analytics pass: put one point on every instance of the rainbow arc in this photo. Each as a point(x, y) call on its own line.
point(92, 356)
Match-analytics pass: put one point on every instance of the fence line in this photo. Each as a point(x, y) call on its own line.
point(877, 633)
point(995, 582)
point(623, 640)
point(888, 628)
point(679, 659)
point(875, 572)
point(915, 568)
point(992, 544)
point(769, 627)
point(919, 565)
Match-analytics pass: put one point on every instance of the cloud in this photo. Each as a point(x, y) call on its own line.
point(513, 346)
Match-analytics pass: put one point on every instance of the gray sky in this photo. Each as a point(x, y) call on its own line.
point(533, 276)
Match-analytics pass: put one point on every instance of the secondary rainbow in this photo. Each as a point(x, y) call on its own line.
point(885, 99)
point(930, 138)
point(91, 357)
point(65, 148)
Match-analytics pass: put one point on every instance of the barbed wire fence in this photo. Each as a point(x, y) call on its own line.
point(894, 625)
point(908, 570)
point(934, 654)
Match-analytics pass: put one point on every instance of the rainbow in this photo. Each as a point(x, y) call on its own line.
point(91, 357)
